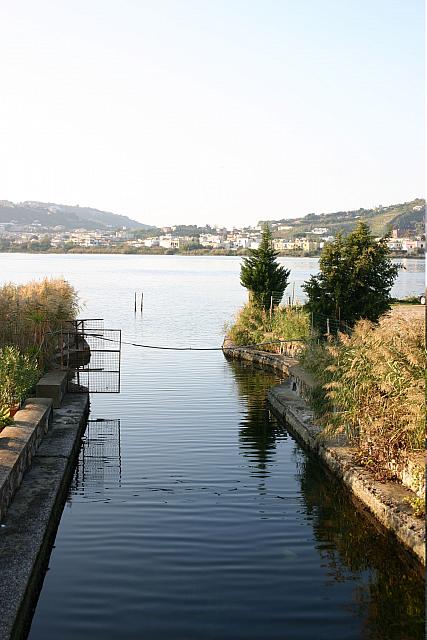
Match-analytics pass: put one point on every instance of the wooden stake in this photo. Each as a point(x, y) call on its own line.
point(142, 300)
point(135, 303)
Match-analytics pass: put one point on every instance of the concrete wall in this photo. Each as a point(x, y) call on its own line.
point(18, 444)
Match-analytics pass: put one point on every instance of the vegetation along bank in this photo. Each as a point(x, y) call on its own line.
point(354, 389)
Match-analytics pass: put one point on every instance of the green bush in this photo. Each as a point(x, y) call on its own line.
point(250, 326)
point(290, 323)
point(5, 418)
point(19, 373)
point(253, 325)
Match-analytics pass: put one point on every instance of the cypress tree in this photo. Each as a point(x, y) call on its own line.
point(262, 275)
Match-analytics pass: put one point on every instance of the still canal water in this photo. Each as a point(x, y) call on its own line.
point(193, 514)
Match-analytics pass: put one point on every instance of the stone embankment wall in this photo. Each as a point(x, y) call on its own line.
point(37, 459)
point(390, 502)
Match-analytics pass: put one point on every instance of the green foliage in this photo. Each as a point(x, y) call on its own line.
point(18, 375)
point(262, 275)
point(290, 323)
point(5, 418)
point(355, 279)
point(250, 327)
point(316, 358)
point(253, 325)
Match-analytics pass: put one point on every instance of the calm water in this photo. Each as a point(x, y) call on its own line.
point(193, 514)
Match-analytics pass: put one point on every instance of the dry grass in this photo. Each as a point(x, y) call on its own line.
point(32, 314)
point(374, 380)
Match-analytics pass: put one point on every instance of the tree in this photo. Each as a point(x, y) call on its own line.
point(355, 279)
point(262, 275)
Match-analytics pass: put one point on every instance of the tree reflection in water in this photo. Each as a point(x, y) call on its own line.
point(259, 430)
point(389, 584)
point(391, 599)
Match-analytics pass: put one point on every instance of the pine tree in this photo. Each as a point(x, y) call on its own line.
point(355, 279)
point(262, 275)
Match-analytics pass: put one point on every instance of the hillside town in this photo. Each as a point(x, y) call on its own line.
point(35, 237)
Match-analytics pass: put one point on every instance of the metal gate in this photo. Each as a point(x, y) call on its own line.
point(91, 354)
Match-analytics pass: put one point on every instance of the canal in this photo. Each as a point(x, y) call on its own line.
point(193, 513)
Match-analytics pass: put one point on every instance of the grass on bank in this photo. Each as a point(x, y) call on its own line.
point(253, 325)
point(31, 317)
point(370, 384)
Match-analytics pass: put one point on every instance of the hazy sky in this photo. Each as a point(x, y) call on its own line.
point(220, 111)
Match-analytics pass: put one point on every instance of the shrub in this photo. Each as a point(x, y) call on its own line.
point(18, 375)
point(291, 323)
point(250, 326)
point(253, 325)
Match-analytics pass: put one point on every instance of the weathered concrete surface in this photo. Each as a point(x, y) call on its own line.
point(18, 445)
point(389, 502)
point(264, 359)
point(53, 385)
point(33, 516)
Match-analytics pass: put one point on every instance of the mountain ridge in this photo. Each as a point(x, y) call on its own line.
point(51, 214)
point(408, 217)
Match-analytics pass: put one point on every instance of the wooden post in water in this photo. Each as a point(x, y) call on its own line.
point(135, 303)
point(142, 300)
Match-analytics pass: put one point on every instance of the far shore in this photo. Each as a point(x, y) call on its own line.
point(170, 252)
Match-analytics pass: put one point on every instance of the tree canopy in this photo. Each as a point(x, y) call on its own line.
point(262, 275)
point(355, 279)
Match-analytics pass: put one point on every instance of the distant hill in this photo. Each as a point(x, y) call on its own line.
point(408, 217)
point(49, 214)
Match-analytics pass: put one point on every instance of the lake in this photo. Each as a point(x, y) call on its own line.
point(193, 513)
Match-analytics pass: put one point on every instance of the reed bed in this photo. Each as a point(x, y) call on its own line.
point(371, 386)
point(32, 315)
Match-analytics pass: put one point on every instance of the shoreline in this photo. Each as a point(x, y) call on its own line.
point(202, 254)
point(386, 501)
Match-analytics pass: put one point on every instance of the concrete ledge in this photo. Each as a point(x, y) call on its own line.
point(52, 385)
point(18, 445)
point(31, 521)
point(262, 359)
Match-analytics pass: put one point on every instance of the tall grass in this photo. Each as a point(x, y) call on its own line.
point(373, 386)
point(31, 315)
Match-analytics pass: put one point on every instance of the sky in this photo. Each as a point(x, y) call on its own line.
point(212, 111)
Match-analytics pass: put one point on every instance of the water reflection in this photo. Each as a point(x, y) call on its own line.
point(390, 602)
point(388, 593)
point(258, 430)
point(99, 466)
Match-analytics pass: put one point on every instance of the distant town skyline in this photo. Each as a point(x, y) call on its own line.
point(193, 112)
